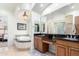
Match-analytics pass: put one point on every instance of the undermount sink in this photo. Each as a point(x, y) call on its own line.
point(73, 39)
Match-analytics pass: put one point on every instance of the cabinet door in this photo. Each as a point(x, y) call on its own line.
point(61, 50)
point(35, 42)
point(40, 44)
point(73, 52)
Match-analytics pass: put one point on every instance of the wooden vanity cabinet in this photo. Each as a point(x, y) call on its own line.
point(39, 45)
point(67, 48)
point(73, 52)
point(61, 50)
point(35, 42)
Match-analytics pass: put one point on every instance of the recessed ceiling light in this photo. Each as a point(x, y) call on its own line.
point(72, 7)
point(18, 8)
point(41, 5)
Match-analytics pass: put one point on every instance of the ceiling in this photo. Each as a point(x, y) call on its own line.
point(64, 10)
point(9, 6)
point(40, 7)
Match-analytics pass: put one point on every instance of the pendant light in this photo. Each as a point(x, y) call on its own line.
point(25, 16)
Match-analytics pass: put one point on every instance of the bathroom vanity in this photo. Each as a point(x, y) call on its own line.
point(64, 46)
point(67, 47)
point(41, 43)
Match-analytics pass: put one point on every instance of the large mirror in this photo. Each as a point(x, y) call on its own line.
point(40, 25)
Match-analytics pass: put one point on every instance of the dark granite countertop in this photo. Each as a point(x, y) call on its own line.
point(69, 39)
point(52, 34)
point(59, 36)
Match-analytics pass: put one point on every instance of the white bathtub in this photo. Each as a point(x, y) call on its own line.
point(23, 42)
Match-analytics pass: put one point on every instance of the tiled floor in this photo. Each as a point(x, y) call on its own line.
point(5, 51)
point(37, 53)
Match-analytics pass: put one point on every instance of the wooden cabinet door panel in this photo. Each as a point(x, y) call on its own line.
point(35, 43)
point(67, 48)
point(61, 50)
point(40, 44)
point(73, 52)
